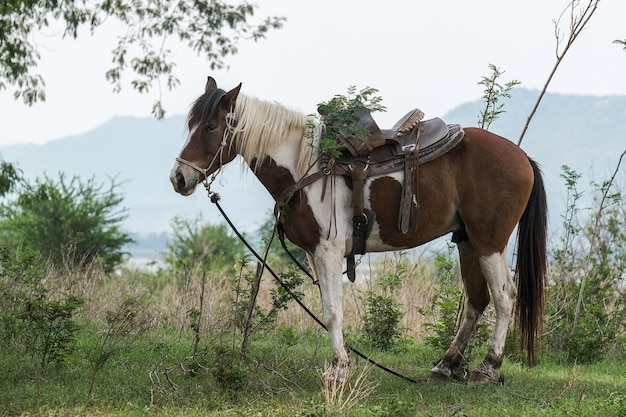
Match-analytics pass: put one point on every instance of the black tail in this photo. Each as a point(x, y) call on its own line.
point(531, 265)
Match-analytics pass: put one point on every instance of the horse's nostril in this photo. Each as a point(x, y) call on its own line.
point(180, 181)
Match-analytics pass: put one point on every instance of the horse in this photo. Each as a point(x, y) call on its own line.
point(479, 191)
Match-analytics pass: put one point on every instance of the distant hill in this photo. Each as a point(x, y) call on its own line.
point(585, 132)
point(139, 154)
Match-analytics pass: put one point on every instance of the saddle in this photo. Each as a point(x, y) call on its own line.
point(408, 144)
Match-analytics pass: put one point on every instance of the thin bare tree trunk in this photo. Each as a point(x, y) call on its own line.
point(592, 246)
point(577, 24)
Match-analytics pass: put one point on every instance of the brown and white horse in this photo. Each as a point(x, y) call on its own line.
point(479, 191)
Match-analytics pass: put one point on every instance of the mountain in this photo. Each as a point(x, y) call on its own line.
point(138, 153)
point(587, 133)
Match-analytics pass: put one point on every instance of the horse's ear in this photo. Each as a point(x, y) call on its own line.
point(210, 84)
point(228, 100)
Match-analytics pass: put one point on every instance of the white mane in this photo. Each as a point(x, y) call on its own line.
point(261, 126)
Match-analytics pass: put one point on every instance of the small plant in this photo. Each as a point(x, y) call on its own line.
point(493, 93)
point(40, 322)
point(248, 315)
point(447, 308)
point(445, 305)
point(586, 310)
point(343, 388)
point(124, 326)
point(227, 370)
point(381, 323)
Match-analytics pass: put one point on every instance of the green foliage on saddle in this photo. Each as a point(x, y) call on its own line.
point(340, 116)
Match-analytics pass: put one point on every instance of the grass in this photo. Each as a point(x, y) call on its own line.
point(152, 366)
point(282, 377)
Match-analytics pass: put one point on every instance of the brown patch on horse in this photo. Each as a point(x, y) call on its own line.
point(433, 218)
point(491, 214)
point(298, 219)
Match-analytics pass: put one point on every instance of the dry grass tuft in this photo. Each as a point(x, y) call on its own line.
point(343, 388)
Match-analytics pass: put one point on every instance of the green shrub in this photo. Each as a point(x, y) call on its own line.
point(586, 310)
point(32, 316)
point(71, 222)
point(447, 306)
point(381, 322)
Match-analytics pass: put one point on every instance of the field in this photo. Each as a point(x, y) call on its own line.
point(148, 344)
point(281, 376)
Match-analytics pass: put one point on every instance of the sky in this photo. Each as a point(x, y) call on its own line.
point(426, 54)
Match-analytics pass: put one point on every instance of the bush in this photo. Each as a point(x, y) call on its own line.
point(71, 222)
point(381, 322)
point(586, 307)
point(447, 307)
point(32, 317)
point(195, 244)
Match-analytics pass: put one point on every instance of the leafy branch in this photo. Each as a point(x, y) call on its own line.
point(211, 28)
point(620, 42)
point(341, 116)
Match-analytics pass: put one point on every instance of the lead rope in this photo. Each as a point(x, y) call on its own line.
point(215, 200)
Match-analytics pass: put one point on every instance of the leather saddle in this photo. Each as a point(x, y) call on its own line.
point(409, 143)
point(386, 150)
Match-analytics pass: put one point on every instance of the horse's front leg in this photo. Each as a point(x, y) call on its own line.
point(327, 262)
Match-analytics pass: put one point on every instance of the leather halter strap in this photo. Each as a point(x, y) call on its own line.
point(218, 154)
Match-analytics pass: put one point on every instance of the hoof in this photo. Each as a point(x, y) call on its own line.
point(486, 374)
point(336, 375)
point(480, 378)
point(437, 378)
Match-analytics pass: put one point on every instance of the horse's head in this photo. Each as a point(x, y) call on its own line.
point(207, 148)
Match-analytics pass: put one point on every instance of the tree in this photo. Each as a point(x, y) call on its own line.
point(71, 222)
point(212, 28)
point(9, 177)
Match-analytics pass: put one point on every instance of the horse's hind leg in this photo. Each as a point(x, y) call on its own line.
point(476, 299)
point(502, 289)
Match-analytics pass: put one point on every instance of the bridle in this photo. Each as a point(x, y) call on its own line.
point(229, 132)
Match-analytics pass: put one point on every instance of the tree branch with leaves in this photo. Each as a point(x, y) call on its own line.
point(211, 28)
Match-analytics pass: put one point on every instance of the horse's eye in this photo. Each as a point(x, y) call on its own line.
point(211, 127)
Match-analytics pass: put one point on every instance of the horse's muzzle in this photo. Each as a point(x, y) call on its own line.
point(182, 184)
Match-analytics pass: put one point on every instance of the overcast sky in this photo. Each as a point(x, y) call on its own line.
point(427, 54)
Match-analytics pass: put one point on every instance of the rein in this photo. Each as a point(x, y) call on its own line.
point(214, 197)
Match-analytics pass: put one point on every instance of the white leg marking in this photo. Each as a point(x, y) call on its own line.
point(327, 260)
point(496, 273)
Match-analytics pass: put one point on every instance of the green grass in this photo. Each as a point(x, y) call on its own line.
point(281, 377)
